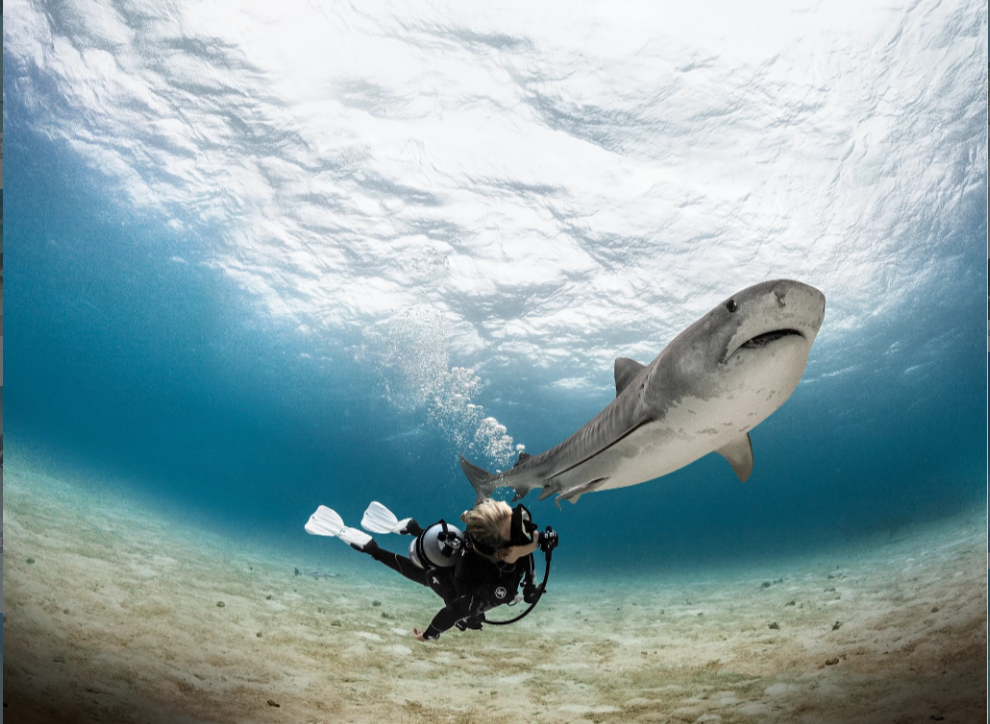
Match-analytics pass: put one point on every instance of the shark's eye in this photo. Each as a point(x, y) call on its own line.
point(731, 305)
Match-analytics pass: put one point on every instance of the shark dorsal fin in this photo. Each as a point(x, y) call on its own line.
point(523, 457)
point(625, 370)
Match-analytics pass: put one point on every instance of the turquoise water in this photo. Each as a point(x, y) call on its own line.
point(133, 367)
point(243, 355)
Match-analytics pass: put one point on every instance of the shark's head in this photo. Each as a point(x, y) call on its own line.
point(758, 338)
point(765, 317)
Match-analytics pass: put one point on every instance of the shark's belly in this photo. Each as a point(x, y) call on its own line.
point(689, 430)
point(656, 450)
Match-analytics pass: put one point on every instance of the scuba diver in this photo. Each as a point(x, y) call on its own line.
point(472, 571)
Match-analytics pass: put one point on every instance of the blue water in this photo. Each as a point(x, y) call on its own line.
point(130, 367)
point(137, 356)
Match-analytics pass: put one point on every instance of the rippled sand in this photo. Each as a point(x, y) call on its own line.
point(113, 614)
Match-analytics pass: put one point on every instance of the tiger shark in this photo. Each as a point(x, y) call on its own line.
point(714, 382)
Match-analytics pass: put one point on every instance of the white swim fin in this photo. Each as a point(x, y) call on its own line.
point(326, 522)
point(379, 519)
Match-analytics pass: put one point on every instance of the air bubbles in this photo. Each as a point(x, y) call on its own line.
point(412, 348)
point(491, 440)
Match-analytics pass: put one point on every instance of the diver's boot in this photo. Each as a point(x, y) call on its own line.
point(411, 527)
point(371, 547)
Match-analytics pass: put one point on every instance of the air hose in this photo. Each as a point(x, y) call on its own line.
point(551, 542)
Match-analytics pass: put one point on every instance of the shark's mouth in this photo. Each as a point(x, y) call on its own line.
point(762, 340)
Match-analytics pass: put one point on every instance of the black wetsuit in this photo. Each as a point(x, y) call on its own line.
point(469, 588)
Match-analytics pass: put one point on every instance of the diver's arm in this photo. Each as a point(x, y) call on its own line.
point(517, 552)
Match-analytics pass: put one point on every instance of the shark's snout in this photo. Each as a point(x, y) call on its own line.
point(773, 312)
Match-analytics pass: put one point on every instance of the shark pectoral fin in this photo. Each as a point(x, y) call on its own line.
point(625, 370)
point(739, 453)
point(520, 494)
point(573, 494)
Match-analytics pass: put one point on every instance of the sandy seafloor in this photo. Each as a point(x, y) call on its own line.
point(112, 614)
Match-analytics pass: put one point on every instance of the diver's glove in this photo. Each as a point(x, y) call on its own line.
point(531, 593)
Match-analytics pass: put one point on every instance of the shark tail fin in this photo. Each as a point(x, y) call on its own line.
point(481, 480)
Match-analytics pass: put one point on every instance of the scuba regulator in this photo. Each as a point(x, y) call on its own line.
point(548, 541)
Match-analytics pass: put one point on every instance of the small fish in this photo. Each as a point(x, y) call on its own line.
point(315, 574)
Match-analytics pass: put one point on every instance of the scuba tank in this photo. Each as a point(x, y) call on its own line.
point(437, 546)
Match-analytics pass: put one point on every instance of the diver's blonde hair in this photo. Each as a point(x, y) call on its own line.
point(484, 524)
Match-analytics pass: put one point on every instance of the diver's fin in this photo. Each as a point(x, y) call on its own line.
point(625, 370)
point(739, 453)
point(326, 522)
point(379, 519)
point(480, 479)
point(577, 491)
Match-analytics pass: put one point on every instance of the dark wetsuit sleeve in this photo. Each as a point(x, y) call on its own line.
point(450, 614)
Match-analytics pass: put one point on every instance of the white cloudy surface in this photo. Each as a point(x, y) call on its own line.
point(550, 187)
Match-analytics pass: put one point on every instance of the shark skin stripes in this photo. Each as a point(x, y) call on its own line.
point(714, 382)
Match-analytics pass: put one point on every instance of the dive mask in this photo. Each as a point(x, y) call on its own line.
point(520, 533)
point(521, 530)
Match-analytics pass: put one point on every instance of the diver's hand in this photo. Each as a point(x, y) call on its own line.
point(420, 635)
point(517, 552)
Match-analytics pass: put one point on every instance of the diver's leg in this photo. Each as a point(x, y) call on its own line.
point(399, 564)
